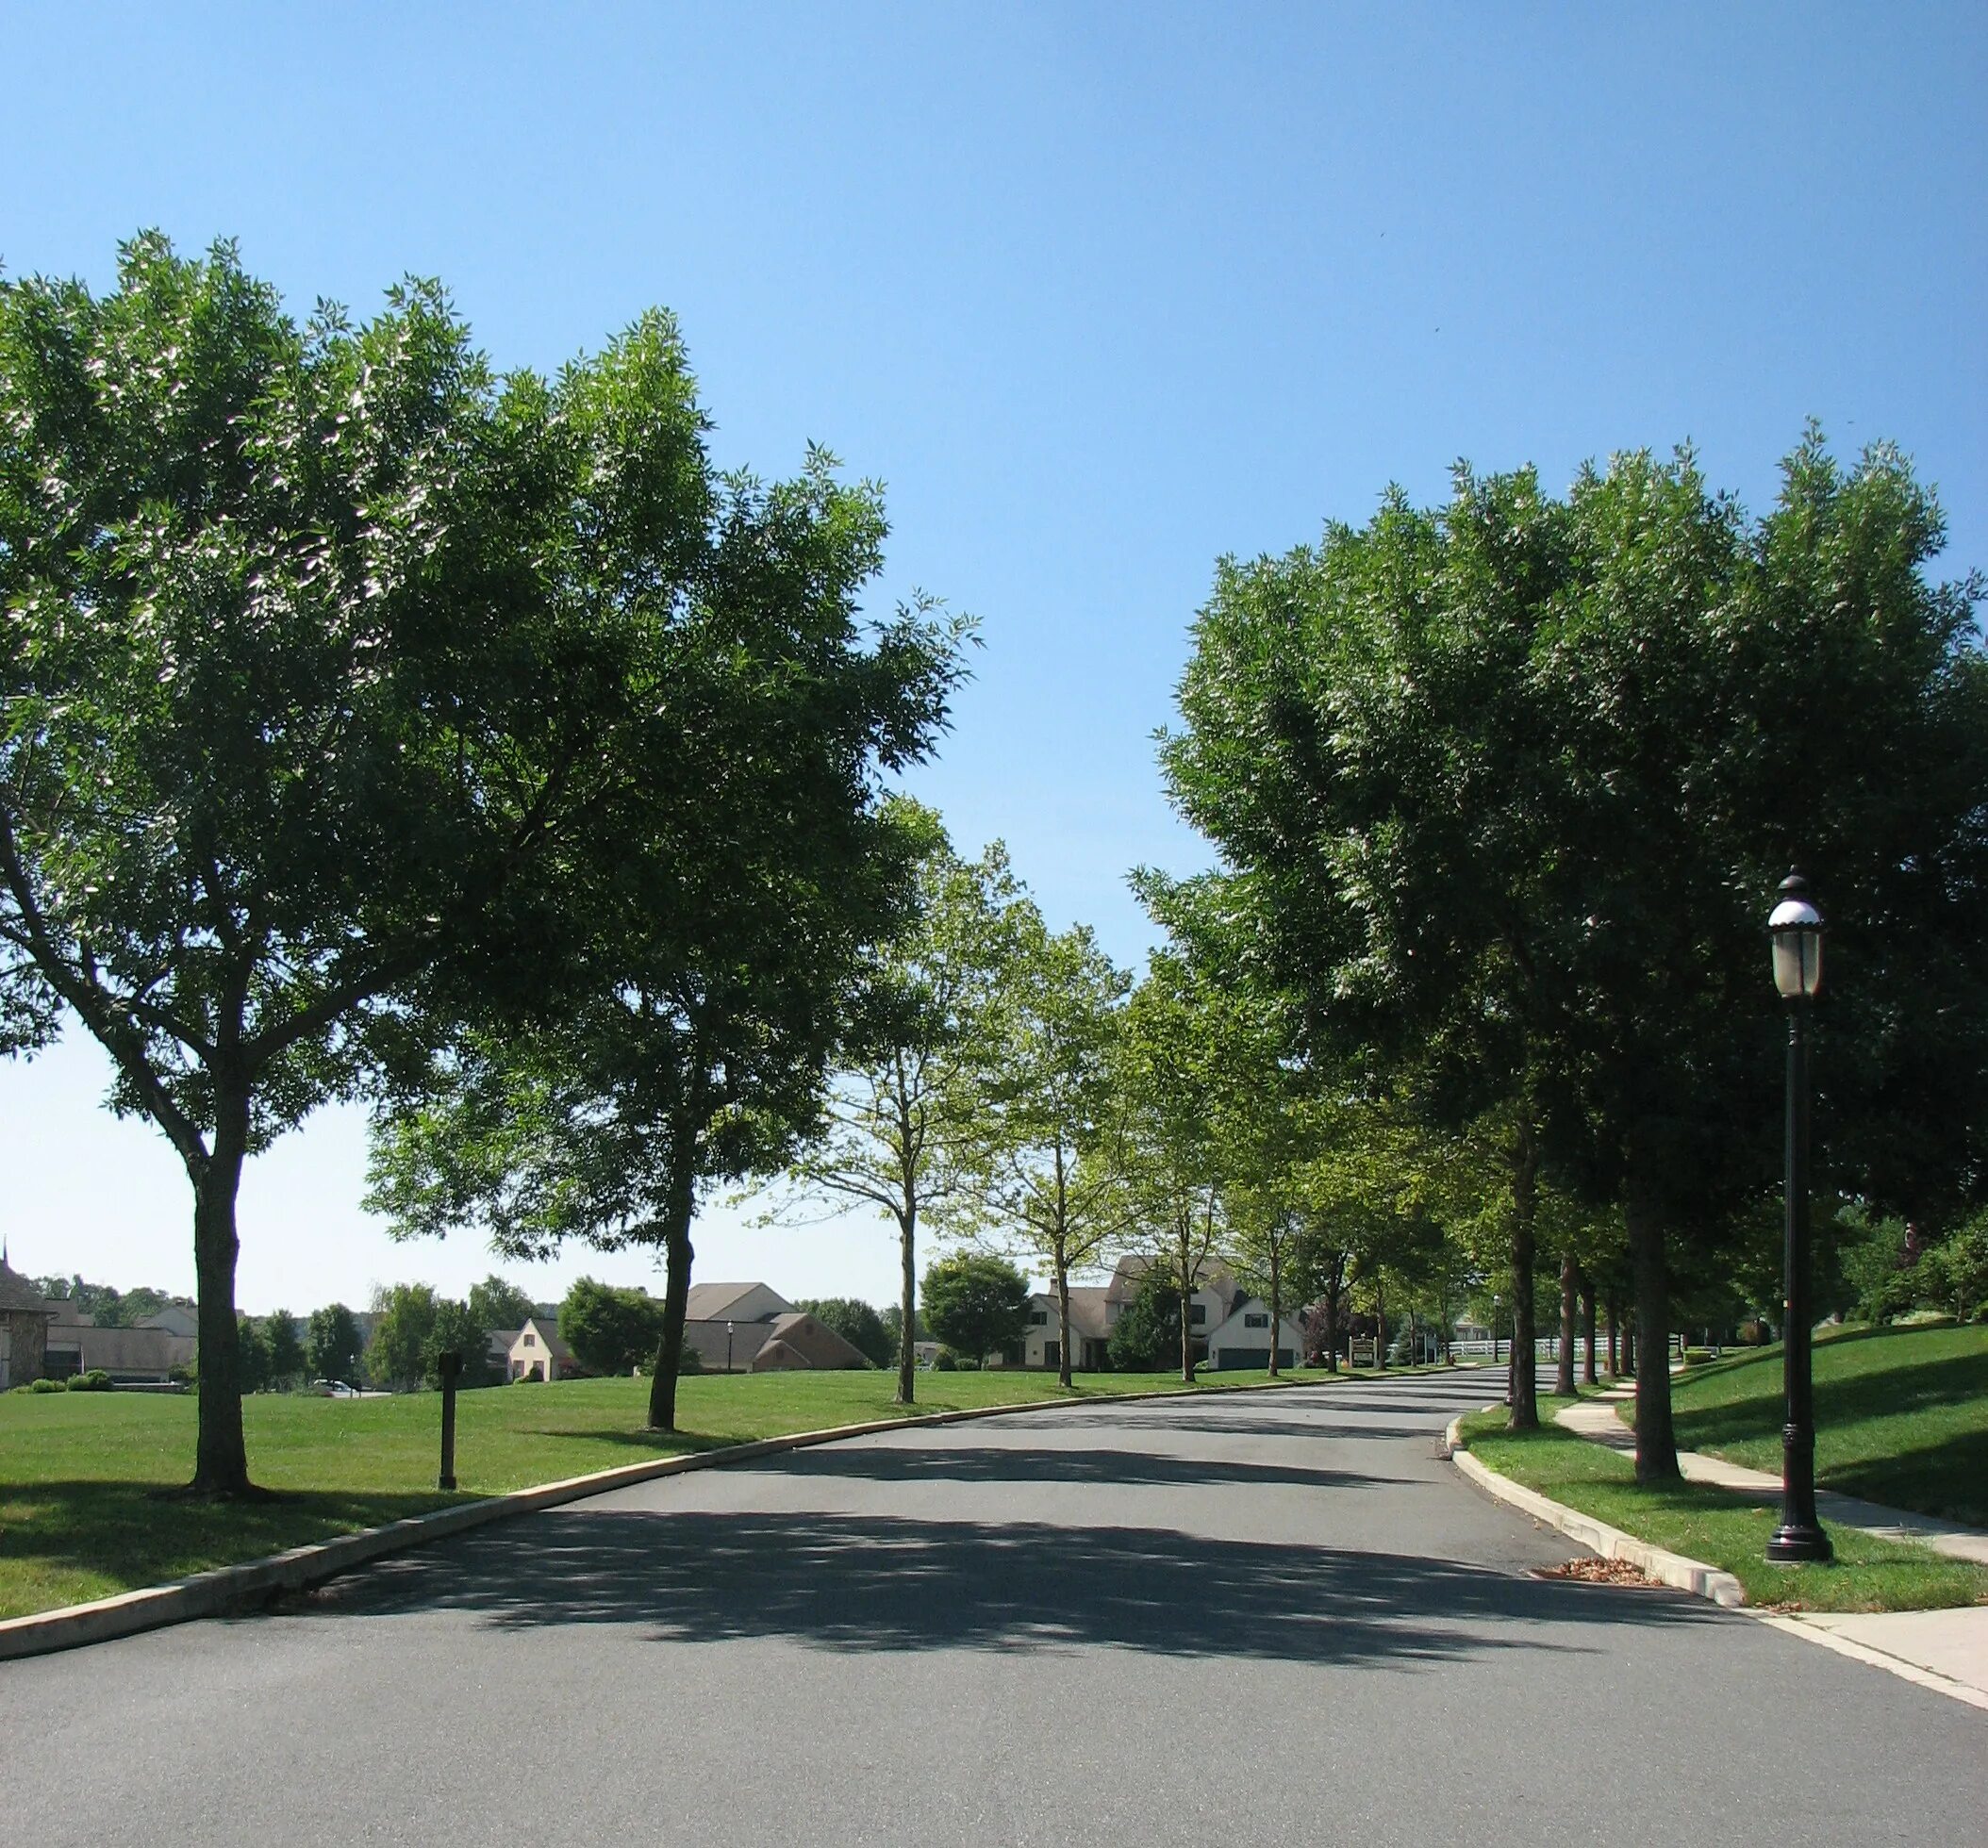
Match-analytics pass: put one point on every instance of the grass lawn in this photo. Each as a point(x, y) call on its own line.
point(81, 1513)
point(1721, 1528)
point(1902, 1415)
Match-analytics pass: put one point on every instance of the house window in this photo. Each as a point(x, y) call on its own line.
point(1256, 1321)
point(1038, 1318)
point(1200, 1314)
point(530, 1340)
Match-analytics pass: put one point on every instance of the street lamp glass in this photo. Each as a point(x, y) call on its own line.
point(1796, 928)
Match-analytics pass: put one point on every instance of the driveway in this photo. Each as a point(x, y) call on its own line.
point(1275, 1617)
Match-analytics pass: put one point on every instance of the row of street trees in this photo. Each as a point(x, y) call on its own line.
point(1502, 791)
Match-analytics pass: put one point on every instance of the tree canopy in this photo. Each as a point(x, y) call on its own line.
point(346, 681)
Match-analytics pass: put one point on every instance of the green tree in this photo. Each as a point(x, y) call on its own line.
point(610, 1330)
point(1047, 1159)
point(498, 1303)
point(976, 1304)
point(1146, 1338)
point(457, 1330)
point(1169, 1073)
point(334, 1344)
point(283, 1348)
point(343, 680)
point(858, 1323)
point(900, 1125)
point(257, 1373)
point(402, 1323)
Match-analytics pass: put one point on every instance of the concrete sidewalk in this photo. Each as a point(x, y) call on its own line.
point(1951, 1645)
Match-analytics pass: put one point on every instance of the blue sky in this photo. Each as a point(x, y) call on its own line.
point(1100, 293)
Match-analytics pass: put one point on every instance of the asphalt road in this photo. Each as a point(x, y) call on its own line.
point(1273, 1618)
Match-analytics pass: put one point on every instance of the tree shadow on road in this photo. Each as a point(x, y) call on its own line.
point(993, 1462)
point(863, 1584)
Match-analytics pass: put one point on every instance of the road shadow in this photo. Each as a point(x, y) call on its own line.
point(864, 1584)
point(987, 1463)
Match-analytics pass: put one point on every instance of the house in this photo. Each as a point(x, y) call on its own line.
point(538, 1353)
point(784, 1342)
point(1091, 1316)
point(1215, 1295)
point(177, 1319)
point(1242, 1338)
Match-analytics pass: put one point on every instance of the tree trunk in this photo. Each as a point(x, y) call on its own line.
point(1615, 1324)
point(1063, 1316)
point(221, 1453)
point(1379, 1326)
point(1656, 1443)
point(677, 1255)
point(1335, 1288)
point(1563, 1369)
point(1276, 1305)
point(907, 1351)
point(1587, 1329)
point(1525, 1206)
point(1629, 1347)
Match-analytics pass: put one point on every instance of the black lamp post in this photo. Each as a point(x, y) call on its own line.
point(728, 1348)
point(1796, 930)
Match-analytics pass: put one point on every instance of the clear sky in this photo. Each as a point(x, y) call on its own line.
point(1100, 293)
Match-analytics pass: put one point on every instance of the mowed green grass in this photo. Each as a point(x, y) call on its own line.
point(84, 1511)
point(1719, 1529)
point(1902, 1415)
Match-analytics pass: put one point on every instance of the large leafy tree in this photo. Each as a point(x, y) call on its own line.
point(498, 1303)
point(340, 676)
point(899, 1126)
point(610, 1330)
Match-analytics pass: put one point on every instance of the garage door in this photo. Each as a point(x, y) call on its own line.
point(1226, 1357)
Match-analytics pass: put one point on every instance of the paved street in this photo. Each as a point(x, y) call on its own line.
point(1271, 1618)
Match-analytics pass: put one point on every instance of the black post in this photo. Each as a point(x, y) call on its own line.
point(450, 1366)
point(1799, 1535)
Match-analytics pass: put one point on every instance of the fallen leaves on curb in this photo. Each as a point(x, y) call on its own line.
point(1596, 1571)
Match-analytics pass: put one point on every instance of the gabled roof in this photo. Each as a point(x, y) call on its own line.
point(1129, 1278)
point(713, 1302)
point(1089, 1313)
point(18, 1296)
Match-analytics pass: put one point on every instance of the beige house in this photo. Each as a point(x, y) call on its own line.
point(1092, 1314)
point(735, 1303)
point(782, 1342)
point(538, 1353)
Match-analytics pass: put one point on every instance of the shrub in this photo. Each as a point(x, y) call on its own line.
point(690, 1360)
point(944, 1363)
point(46, 1386)
point(95, 1380)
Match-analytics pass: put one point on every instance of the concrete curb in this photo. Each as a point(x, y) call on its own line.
point(1674, 1569)
point(234, 1588)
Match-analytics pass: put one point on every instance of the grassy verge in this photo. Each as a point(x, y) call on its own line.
point(82, 1515)
point(1902, 1415)
point(1720, 1528)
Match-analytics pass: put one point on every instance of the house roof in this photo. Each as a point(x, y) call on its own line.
point(1090, 1314)
point(1129, 1278)
point(18, 1296)
point(818, 1345)
point(713, 1302)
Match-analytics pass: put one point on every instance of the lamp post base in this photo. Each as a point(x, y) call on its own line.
point(1794, 1543)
